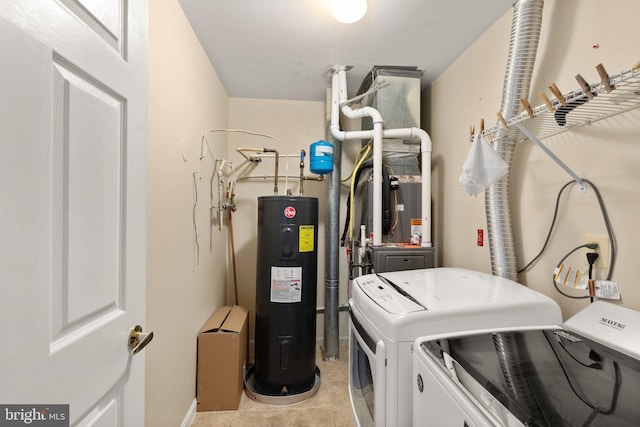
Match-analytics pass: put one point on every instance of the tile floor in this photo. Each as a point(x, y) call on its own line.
point(330, 407)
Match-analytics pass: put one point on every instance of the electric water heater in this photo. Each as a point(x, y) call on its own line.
point(286, 283)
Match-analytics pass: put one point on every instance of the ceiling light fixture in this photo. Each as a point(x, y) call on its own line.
point(348, 11)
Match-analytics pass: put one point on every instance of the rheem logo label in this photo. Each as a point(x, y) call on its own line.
point(290, 212)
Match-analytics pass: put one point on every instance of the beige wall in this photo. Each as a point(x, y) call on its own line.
point(606, 152)
point(185, 99)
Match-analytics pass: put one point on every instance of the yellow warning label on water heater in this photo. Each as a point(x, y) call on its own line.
point(306, 233)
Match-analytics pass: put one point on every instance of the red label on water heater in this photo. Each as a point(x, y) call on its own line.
point(289, 212)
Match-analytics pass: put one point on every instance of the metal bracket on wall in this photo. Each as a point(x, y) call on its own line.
point(555, 158)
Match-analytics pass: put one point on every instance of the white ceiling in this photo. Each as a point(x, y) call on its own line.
point(281, 49)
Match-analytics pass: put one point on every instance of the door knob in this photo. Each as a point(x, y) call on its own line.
point(138, 339)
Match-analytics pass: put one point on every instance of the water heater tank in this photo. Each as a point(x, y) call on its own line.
point(286, 283)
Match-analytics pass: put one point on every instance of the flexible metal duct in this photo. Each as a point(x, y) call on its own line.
point(523, 46)
point(519, 379)
point(525, 34)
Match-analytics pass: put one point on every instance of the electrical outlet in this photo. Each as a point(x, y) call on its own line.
point(603, 249)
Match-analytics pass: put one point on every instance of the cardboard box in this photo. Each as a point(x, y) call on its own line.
point(223, 344)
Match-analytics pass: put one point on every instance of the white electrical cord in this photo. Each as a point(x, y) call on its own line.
point(264, 135)
point(196, 244)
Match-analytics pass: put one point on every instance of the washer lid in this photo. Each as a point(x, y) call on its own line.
point(579, 379)
point(460, 290)
point(611, 324)
point(383, 293)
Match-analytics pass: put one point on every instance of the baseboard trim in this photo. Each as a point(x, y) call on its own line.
point(191, 414)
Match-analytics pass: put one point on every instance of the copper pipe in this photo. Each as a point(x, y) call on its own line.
point(302, 153)
point(271, 150)
point(233, 258)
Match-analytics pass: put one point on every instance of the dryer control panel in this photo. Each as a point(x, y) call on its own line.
point(391, 298)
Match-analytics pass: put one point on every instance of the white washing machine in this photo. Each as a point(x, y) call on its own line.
point(583, 373)
point(389, 311)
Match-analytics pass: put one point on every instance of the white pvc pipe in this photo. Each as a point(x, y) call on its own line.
point(425, 154)
point(377, 153)
point(339, 92)
point(338, 97)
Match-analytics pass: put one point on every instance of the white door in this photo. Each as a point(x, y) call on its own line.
point(73, 117)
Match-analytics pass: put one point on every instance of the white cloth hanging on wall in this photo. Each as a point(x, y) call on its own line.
point(482, 168)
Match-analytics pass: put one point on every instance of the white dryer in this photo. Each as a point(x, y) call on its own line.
point(583, 373)
point(389, 311)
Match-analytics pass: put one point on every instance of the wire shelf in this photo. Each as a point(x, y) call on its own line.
point(614, 95)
